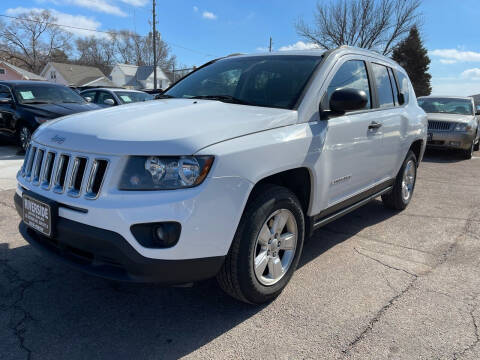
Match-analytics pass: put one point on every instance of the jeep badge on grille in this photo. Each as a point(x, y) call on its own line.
point(58, 139)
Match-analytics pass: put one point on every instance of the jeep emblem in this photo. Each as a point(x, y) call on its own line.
point(58, 139)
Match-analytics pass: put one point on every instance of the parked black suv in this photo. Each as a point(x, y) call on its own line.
point(24, 105)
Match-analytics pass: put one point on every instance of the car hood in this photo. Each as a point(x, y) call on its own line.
point(163, 127)
point(449, 117)
point(53, 111)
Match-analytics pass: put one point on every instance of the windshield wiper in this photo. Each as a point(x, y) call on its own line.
point(71, 102)
point(224, 98)
point(163, 96)
point(37, 102)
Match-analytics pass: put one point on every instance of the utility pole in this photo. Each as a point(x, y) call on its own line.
point(270, 47)
point(154, 46)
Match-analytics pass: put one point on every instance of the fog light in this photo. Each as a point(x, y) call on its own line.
point(167, 234)
point(157, 235)
point(455, 143)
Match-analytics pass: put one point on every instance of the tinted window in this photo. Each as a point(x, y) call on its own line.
point(394, 85)
point(384, 87)
point(272, 81)
point(5, 92)
point(352, 74)
point(403, 83)
point(102, 96)
point(90, 94)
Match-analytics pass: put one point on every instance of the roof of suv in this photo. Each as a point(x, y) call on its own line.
point(27, 82)
point(446, 97)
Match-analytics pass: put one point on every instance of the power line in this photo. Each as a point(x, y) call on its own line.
point(104, 32)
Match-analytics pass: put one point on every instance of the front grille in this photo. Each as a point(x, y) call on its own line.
point(439, 125)
point(75, 175)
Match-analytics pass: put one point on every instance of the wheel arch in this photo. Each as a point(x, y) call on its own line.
point(417, 147)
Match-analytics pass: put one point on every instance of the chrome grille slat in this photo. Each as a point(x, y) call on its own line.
point(439, 125)
point(72, 174)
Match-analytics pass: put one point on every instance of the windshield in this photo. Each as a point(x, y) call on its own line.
point(46, 94)
point(446, 105)
point(127, 97)
point(271, 81)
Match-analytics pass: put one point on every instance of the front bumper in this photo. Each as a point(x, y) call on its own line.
point(107, 254)
point(450, 140)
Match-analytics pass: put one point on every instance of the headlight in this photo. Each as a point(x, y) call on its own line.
point(462, 127)
point(165, 173)
point(40, 119)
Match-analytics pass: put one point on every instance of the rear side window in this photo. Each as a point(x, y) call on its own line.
point(403, 83)
point(5, 92)
point(352, 74)
point(394, 86)
point(384, 86)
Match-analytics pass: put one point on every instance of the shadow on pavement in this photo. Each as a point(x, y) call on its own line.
point(67, 314)
point(9, 152)
point(443, 156)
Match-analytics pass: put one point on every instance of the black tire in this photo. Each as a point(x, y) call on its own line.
point(467, 154)
point(395, 199)
point(237, 276)
point(24, 134)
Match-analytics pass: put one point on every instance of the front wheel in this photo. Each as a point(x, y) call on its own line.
point(404, 184)
point(467, 154)
point(266, 248)
point(24, 134)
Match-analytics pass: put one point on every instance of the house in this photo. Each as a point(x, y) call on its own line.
point(75, 75)
point(12, 72)
point(139, 77)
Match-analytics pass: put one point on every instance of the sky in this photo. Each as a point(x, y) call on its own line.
point(199, 30)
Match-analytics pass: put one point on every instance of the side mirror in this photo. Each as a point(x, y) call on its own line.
point(88, 99)
point(109, 102)
point(6, 100)
point(348, 99)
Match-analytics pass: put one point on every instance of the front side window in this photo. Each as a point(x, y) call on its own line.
point(270, 81)
point(102, 96)
point(43, 93)
point(353, 75)
point(384, 86)
point(5, 92)
point(446, 105)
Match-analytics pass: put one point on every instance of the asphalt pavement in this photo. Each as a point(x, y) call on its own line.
point(376, 284)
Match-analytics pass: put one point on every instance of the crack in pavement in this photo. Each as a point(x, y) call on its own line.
point(477, 336)
point(18, 326)
point(391, 302)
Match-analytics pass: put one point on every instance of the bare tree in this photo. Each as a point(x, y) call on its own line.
point(369, 24)
point(98, 52)
point(33, 39)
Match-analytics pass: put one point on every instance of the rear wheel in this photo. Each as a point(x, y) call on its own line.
point(404, 185)
point(266, 248)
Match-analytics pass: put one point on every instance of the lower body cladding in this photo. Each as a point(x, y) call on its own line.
point(107, 241)
point(450, 140)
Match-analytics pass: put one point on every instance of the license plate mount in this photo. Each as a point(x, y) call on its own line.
point(39, 213)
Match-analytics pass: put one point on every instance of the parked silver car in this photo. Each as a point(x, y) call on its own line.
point(452, 123)
point(106, 97)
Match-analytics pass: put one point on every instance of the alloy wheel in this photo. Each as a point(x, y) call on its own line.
point(24, 136)
point(275, 247)
point(408, 180)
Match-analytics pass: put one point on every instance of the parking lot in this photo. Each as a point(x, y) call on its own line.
point(375, 284)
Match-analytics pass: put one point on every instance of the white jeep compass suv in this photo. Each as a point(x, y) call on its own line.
point(226, 174)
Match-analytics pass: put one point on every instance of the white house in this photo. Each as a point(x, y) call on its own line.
point(75, 75)
point(139, 77)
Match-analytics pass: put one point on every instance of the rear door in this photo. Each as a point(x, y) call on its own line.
point(350, 155)
point(393, 124)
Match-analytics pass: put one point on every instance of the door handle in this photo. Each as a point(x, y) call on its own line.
point(374, 125)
